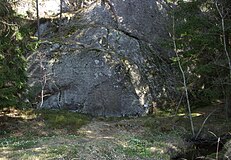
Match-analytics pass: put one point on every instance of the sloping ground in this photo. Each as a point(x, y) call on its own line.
point(122, 139)
point(129, 139)
point(50, 134)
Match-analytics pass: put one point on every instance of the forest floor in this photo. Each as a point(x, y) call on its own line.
point(46, 134)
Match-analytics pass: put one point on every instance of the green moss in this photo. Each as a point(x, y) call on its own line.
point(139, 147)
point(18, 143)
point(64, 119)
point(40, 147)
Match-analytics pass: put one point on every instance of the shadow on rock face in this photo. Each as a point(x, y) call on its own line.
point(110, 99)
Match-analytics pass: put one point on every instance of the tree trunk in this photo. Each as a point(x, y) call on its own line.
point(228, 104)
point(38, 21)
point(60, 17)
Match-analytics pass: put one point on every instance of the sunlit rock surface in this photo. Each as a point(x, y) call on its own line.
point(46, 8)
point(107, 62)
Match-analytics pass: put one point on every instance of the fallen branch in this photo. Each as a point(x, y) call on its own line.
point(202, 126)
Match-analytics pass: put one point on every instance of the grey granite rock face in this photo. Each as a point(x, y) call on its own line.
point(146, 19)
point(108, 65)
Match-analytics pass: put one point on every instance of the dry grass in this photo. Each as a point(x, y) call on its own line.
point(49, 134)
point(29, 134)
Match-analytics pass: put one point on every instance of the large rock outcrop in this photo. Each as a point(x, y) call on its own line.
point(106, 62)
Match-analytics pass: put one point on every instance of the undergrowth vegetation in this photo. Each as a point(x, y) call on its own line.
point(39, 134)
point(64, 119)
point(54, 134)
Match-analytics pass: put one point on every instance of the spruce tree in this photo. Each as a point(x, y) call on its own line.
point(12, 61)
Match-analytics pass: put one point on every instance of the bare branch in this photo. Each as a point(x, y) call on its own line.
point(38, 19)
point(202, 126)
point(222, 16)
point(183, 76)
point(8, 24)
